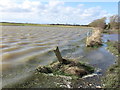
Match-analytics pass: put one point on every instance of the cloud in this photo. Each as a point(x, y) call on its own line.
point(50, 12)
point(26, 6)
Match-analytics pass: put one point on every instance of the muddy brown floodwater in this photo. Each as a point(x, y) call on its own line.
point(25, 47)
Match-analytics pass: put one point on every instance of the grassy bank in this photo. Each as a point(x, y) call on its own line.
point(111, 80)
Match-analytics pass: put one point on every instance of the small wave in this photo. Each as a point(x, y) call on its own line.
point(3, 46)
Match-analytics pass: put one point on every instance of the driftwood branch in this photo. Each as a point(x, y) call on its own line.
point(58, 55)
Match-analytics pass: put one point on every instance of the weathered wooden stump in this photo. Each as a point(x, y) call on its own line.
point(64, 66)
point(59, 57)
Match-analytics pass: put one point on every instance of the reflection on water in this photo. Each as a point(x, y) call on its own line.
point(100, 58)
point(113, 37)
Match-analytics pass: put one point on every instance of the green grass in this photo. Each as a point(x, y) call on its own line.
point(111, 80)
point(113, 47)
point(44, 25)
point(22, 24)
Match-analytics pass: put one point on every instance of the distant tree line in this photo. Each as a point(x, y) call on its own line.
point(46, 24)
point(69, 25)
point(114, 23)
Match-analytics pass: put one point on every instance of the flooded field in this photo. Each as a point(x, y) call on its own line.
point(25, 47)
point(20, 44)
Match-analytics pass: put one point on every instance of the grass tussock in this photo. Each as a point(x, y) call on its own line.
point(69, 68)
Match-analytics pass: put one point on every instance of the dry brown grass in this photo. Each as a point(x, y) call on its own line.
point(94, 39)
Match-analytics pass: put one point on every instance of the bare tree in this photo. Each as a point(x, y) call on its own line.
point(114, 22)
point(100, 23)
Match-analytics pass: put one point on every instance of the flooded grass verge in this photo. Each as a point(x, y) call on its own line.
point(111, 79)
point(113, 47)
